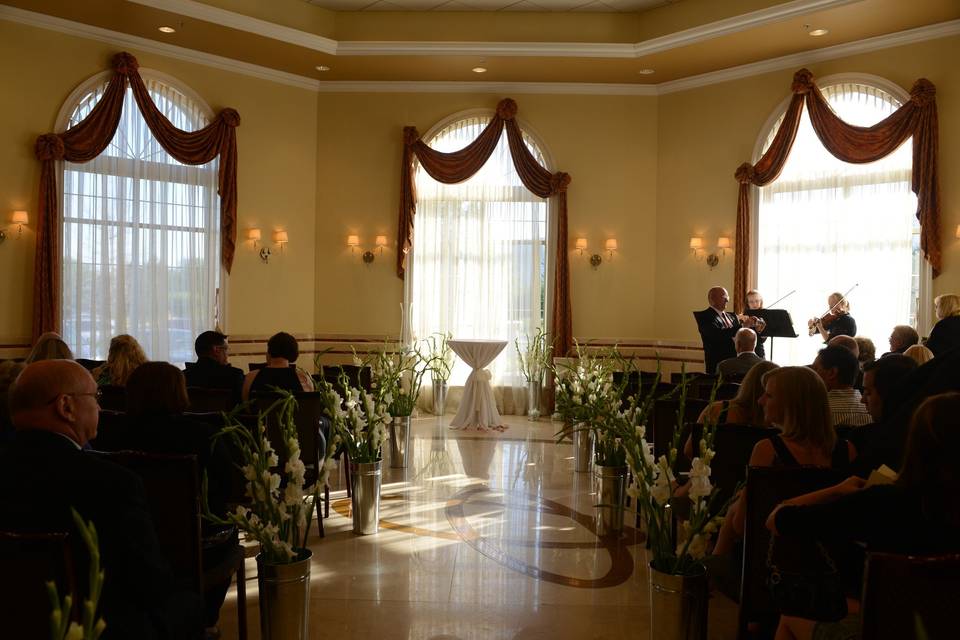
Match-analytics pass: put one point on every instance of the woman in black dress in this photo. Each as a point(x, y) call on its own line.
point(838, 322)
point(280, 372)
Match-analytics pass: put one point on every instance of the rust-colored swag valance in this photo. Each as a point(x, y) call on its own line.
point(458, 166)
point(88, 138)
point(917, 117)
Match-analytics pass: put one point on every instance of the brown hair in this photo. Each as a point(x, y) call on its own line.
point(157, 388)
point(806, 409)
point(49, 346)
point(751, 388)
point(124, 356)
point(931, 467)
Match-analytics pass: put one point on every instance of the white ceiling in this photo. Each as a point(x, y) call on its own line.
point(608, 6)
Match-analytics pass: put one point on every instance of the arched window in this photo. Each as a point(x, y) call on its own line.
point(479, 252)
point(825, 225)
point(141, 233)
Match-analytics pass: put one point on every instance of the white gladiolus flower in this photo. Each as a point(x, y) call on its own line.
point(700, 486)
point(697, 548)
point(249, 472)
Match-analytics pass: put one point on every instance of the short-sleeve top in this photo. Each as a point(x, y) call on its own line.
point(285, 378)
point(844, 325)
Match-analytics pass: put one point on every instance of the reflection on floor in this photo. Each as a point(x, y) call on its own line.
point(485, 535)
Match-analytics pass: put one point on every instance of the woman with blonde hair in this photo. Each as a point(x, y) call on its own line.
point(946, 333)
point(743, 408)
point(795, 400)
point(919, 354)
point(49, 346)
point(124, 356)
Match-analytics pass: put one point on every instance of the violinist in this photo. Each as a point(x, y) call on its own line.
point(718, 327)
point(836, 322)
point(755, 301)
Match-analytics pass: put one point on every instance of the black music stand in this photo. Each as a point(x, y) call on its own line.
point(779, 324)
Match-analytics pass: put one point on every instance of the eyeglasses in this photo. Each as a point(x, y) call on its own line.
point(98, 394)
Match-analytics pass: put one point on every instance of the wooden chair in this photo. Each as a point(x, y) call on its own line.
point(204, 400)
point(899, 591)
point(664, 420)
point(766, 488)
point(89, 365)
point(360, 377)
point(172, 488)
point(113, 397)
point(110, 431)
point(29, 560)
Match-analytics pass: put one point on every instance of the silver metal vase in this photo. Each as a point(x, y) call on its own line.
point(365, 499)
point(678, 606)
point(534, 391)
point(439, 397)
point(582, 448)
point(610, 489)
point(284, 592)
point(399, 441)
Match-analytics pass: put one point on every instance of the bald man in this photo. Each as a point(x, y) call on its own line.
point(735, 368)
point(717, 328)
point(45, 472)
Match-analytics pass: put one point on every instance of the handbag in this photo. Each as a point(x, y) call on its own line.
point(814, 589)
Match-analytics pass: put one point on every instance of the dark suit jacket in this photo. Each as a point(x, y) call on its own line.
point(42, 475)
point(717, 339)
point(944, 336)
point(738, 366)
point(210, 374)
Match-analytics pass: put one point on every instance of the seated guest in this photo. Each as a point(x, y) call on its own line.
point(916, 515)
point(282, 351)
point(880, 377)
point(868, 351)
point(745, 341)
point(902, 337)
point(794, 399)
point(838, 368)
point(744, 408)
point(156, 401)
point(848, 343)
point(45, 472)
point(212, 370)
point(919, 353)
point(124, 356)
point(49, 346)
point(946, 333)
point(9, 370)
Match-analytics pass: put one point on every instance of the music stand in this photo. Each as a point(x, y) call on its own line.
point(779, 324)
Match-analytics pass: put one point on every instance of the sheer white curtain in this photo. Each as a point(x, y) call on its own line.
point(479, 258)
point(141, 237)
point(825, 225)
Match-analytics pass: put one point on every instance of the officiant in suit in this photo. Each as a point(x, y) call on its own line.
point(718, 327)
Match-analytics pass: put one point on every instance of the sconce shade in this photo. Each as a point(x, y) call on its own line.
point(280, 237)
point(381, 241)
point(581, 244)
point(253, 234)
point(696, 242)
point(723, 242)
point(20, 217)
point(958, 231)
point(353, 241)
point(611, 244)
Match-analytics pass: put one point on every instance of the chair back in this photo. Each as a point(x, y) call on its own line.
point(204, 400)
point(172, 487)
point(901, 593)
point(88, 364)
point(359, 377)
point(664, 418)
point(113, 397)
point(766, 488)
point(310, 422)
point(111, 431)
point(726, 391)
point(29, 561)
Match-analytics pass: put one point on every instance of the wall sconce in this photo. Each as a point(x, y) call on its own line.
point(18, 218)
point(696, 246)
point(958, 232)
point(281, 238)
point(723, 244)
point(253, 235)
point(611, 246)
point(353, 242)
point(381, 242)
point(367, 256)
point(713, 259)
point(580, 245)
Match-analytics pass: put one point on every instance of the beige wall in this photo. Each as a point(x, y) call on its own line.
point(650, 171)
point(706, 133)
point(277, 175)
point(606, 143)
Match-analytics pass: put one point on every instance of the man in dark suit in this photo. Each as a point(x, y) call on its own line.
point(717, 329)
point(45, 472)
point(745, 342)
point(212, 370)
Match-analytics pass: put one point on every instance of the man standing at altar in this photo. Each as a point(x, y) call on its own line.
point(718, 327)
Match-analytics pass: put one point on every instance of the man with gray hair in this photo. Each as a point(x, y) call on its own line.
point(735, 368)
point(46, 472)
point(902, 338)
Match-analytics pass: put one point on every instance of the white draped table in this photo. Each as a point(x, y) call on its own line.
point(478, 407)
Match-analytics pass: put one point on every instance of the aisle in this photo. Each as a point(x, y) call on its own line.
point(485, 536)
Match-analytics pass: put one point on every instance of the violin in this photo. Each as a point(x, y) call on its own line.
point(814, 325)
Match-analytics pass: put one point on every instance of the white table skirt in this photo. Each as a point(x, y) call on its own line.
point(478, 407)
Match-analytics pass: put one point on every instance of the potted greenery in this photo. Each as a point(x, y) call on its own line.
point(440, 358)
point(91, 626)
point(535, 361)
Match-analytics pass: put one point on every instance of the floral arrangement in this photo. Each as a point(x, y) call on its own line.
point(440, 356)
point(397, 375)
point(359, 421)
point(535, 360)
point(277, 517)
point(91, 627)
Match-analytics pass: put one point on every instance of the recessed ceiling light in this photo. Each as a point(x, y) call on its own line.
point(819, 32)
point(479, 69)
point(166, 30)
point(322, 67)
point(645, 72)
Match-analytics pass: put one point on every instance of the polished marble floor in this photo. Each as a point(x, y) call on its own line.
point(486, 535)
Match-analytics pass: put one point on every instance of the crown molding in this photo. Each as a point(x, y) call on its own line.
point(564, 88)
point(493, 49)
point(877, 43)
point(108, 36)
point(242, 22)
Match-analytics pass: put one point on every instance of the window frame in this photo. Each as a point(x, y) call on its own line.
point(925, 301)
